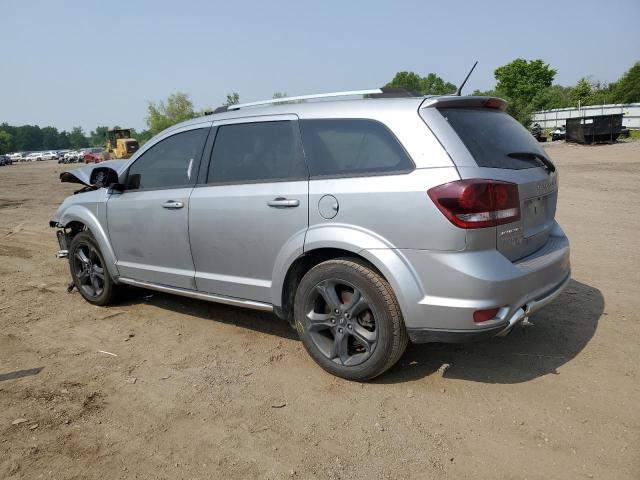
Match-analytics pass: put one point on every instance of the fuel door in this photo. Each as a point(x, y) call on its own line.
point(328, 207)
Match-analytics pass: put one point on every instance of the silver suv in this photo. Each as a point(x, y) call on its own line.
point(365, 223)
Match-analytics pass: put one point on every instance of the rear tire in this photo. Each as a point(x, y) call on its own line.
point(349, 320)
point(89, 272)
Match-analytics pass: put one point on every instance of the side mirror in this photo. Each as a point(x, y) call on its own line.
point(103, 177)
point(133, 181)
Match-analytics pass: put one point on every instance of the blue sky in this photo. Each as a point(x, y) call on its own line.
point(88, 63)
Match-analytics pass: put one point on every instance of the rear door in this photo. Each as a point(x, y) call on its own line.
point(251, 211)
point(488, 143)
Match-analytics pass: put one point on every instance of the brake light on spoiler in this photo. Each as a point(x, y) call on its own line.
point(477, 203)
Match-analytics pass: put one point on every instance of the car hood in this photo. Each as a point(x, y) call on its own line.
point(83, 174)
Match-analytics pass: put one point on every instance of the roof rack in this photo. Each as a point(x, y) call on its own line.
point(373, 93)
point(305, 97)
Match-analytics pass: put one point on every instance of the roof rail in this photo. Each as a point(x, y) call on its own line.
point(304, 97)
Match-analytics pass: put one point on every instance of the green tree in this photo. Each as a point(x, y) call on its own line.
point(64, 141)
point(6, 142)
point(28, 137)
point(627, 89)
point(519, 82)
point(582, 92)
point(98, 137)
point(77, 138)
point(432, 84)
point(232, 99)
point(408, 80)
point(142, 137)
point(556, 96)
point(522, 79)
point(50, 138)
point(161, 115)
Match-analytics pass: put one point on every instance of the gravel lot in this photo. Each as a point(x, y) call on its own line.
point(195, 390)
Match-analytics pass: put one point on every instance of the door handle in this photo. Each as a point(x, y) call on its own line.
point(171, 205)
point(282, 202)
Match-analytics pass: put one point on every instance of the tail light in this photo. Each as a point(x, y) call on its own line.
point(477, 203)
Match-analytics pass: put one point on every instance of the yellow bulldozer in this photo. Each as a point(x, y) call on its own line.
point(120, 144)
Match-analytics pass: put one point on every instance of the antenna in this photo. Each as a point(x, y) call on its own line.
point(459, 91)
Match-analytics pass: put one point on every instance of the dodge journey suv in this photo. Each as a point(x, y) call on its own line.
point(365, 223)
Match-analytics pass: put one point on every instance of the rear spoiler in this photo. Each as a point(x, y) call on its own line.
point(463, 102)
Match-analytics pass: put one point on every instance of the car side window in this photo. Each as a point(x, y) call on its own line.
point(256, 152)
point(338, 147)
point(172, 162)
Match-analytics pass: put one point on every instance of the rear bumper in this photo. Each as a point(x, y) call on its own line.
point(456, 284)
point(418, 335)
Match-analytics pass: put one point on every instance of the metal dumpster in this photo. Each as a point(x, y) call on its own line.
point(595, 129)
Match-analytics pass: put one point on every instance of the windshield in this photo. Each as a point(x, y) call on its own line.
point(493, 136)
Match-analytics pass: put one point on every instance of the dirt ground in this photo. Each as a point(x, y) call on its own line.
point(196, 390)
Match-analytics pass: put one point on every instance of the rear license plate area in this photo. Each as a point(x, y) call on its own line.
point(535, 215)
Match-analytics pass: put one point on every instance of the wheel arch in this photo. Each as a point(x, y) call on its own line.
point(77, 215)
point(389, 263)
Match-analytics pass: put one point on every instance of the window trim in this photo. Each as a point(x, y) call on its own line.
point(208, 155)
point(406, 171)
point(172, 133)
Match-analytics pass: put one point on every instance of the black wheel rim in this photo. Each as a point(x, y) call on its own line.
point(88, 269)
point(341, 322)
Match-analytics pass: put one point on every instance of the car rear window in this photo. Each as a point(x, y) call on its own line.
point(491, 135)
point(336, 147)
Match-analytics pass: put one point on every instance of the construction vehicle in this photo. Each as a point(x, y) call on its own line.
point(119, 144)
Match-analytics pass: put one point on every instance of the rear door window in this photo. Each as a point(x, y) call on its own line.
point(257, 152)
point(493, 137)
point(352, 147)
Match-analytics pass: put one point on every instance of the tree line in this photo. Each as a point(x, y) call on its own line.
point(527, 85)
point(26, 138)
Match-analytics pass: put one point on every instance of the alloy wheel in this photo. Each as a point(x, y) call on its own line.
point(88, 269)
point(341, 322)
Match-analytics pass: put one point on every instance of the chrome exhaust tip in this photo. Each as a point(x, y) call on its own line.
point(62, 254)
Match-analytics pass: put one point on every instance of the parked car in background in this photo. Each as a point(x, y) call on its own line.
point(61, 154)
point(558, 134)
point(4, 160)
point(50, 155)
point(82, 152)
point(71, 157)
point(33, 157)
point(94, 155)
point(16, 157)
point(363, 223)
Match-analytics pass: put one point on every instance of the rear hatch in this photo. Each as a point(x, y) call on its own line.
point(486, 143)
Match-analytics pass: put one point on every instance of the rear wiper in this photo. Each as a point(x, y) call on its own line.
point(533, 156)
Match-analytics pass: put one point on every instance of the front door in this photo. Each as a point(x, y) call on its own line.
point(253, 209)
point(148, 222)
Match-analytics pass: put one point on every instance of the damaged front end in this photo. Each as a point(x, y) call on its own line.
point(90, 176)
point(65, 235)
